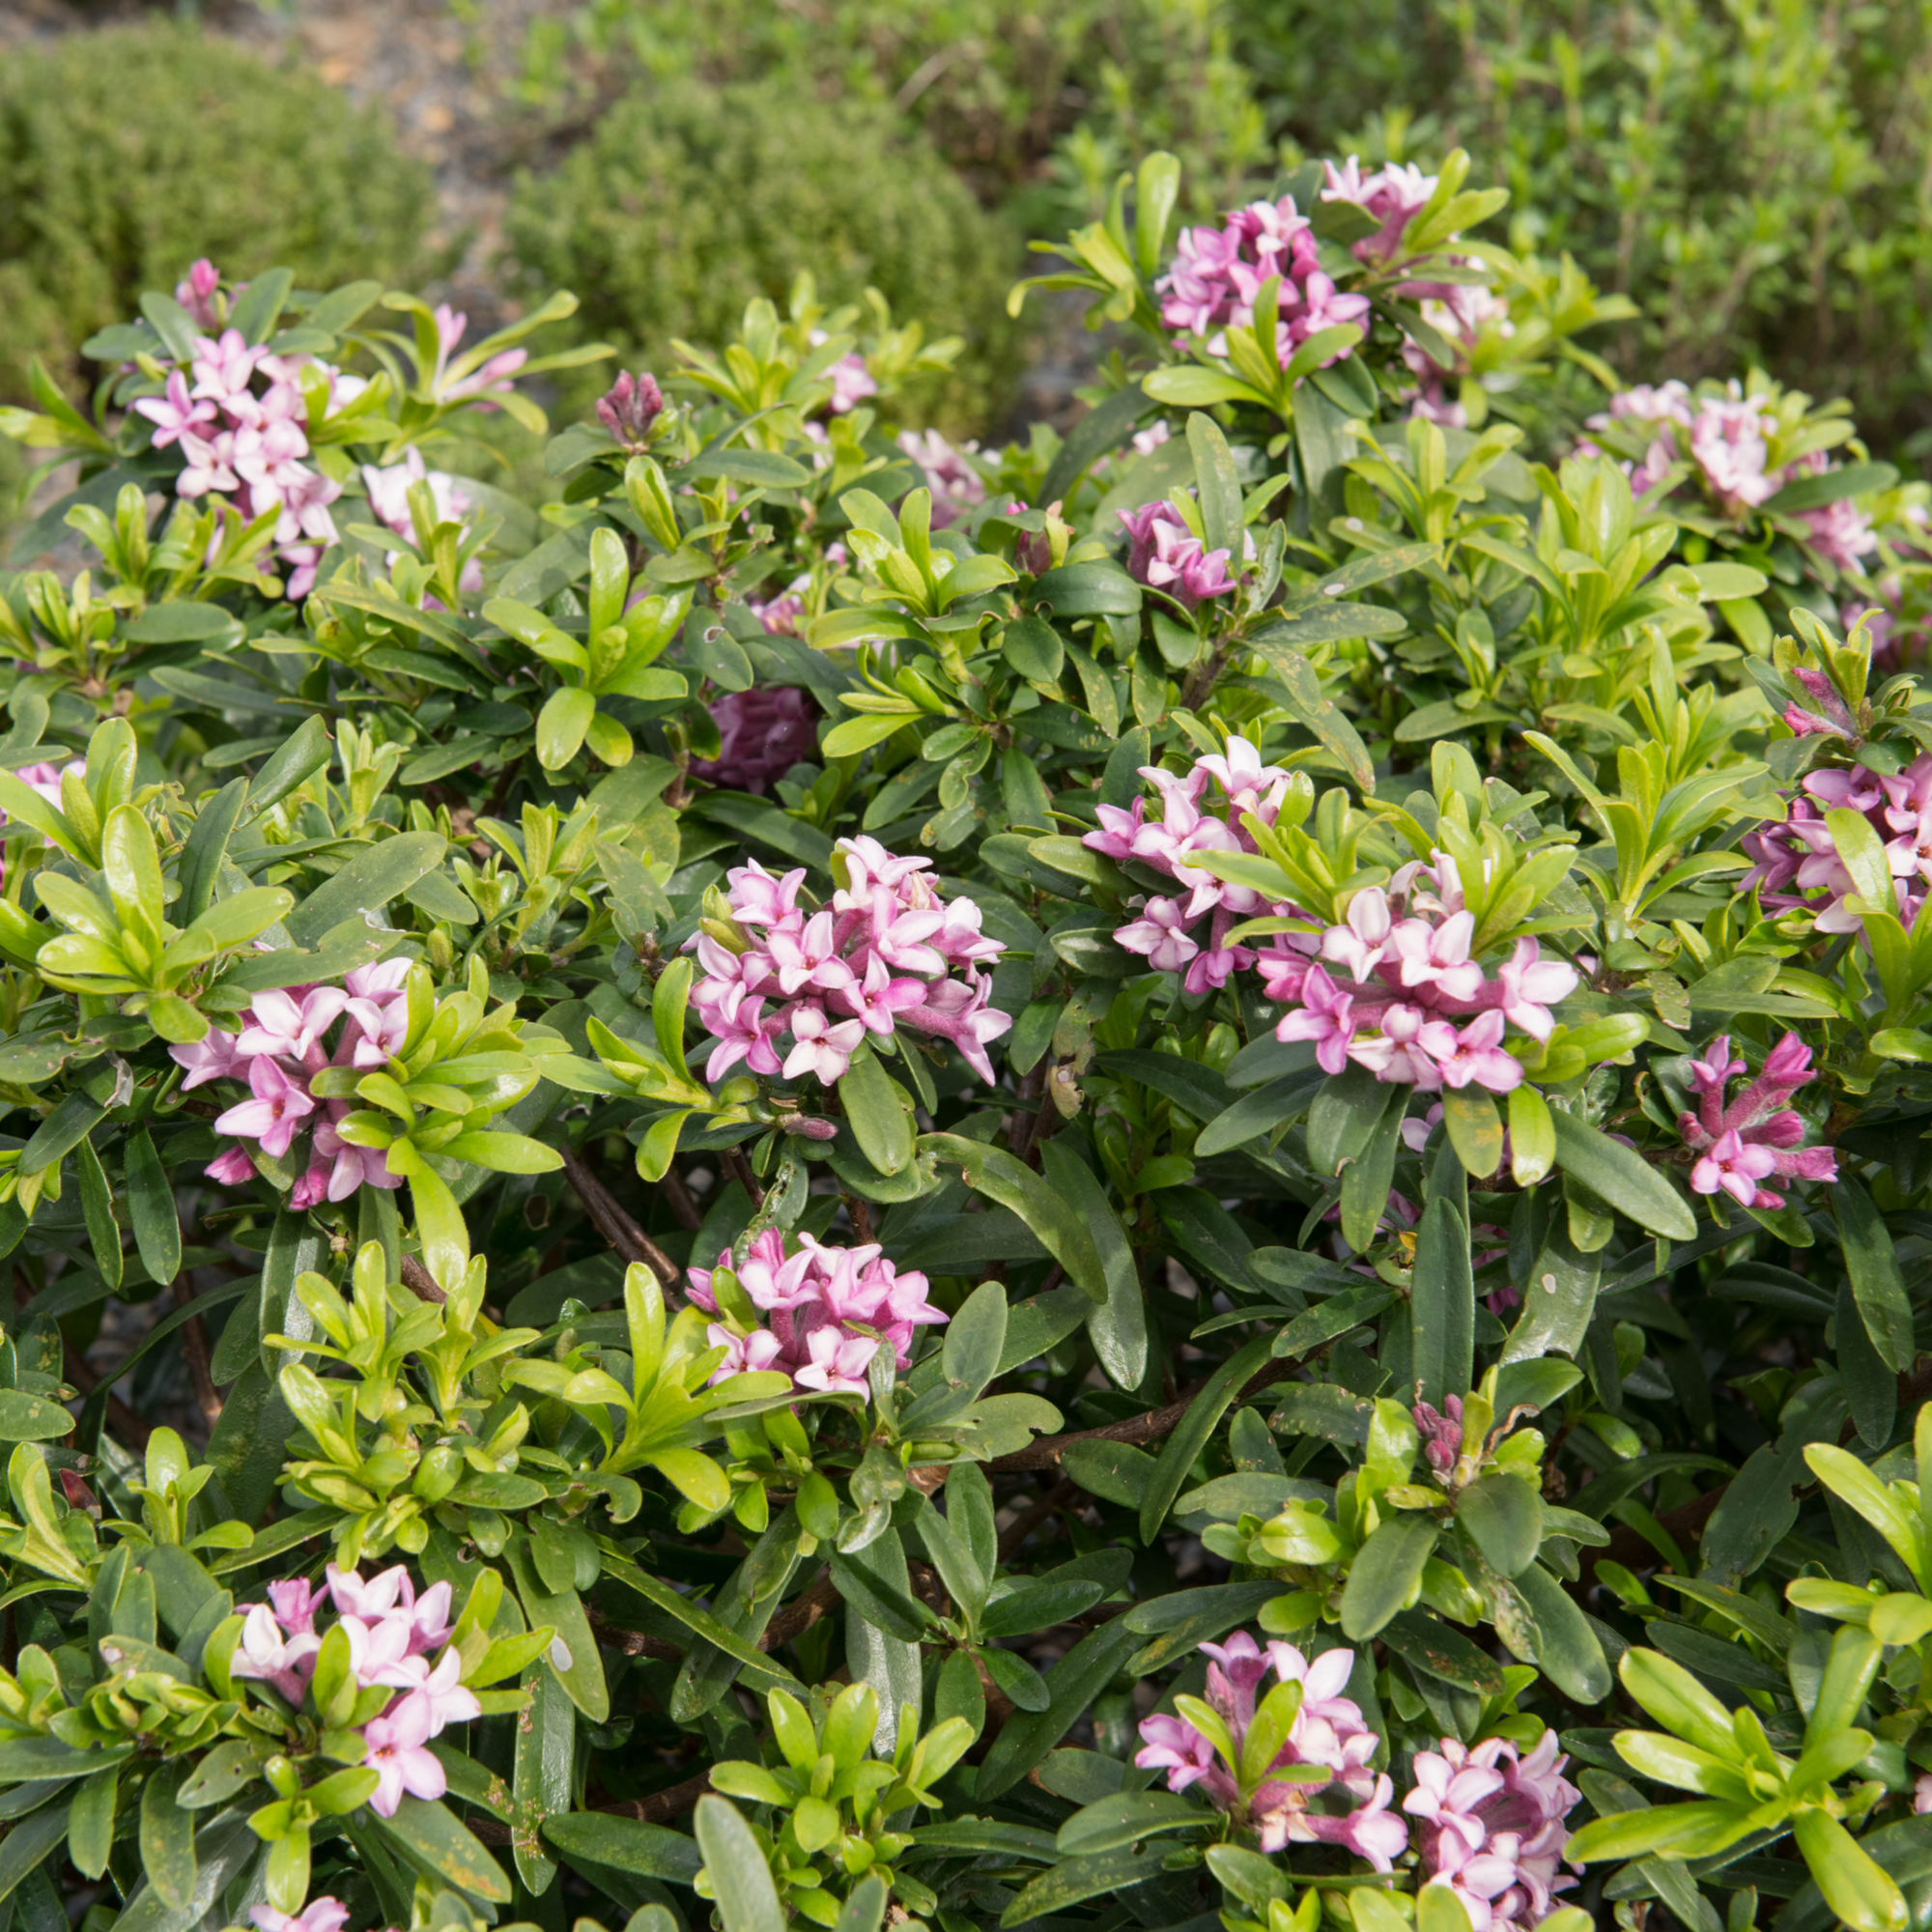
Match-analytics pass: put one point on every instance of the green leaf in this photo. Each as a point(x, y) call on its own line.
point(504, 1154)
point(1072, 1685)
point(97, 1202)
point(370, 880)
point(975, 1337)
point(29, 1843)
point(880, 1112)
point(308, 750)
point(167, 1836)
point(879, 1602)
point(740, 1879)
point(151, 1208)
point(625, 1845)
point(1442, 1651)
point(1119, 1329)
point(1568, 1649)
point(1192, 1431)
point(1442, 1300)
point(1100, 430)
point(561, 724)
point(1809, 493)
point(1877, 1285)
point(1304, 687)
point(546, 1751)
point(1219, 484)
point(1189, 386)
point(1079, 1877)
point(31, 1418)
point(1386, 1573)
point(1503, 1516)
point(434, 1841)
point(997, 1175)
point(583, 1679)
point(1622, 1178)
point(1853, 1884)
point(90, 1822)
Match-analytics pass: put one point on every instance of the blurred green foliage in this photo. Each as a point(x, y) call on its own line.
point(686, 202)
point(126, 152)
point(1756, 174)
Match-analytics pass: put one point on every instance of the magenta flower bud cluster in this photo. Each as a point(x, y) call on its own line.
point(1166, 555)
point(277, 1053)
point(1329, 1734)
point(763, 732)
point(238, 415)
point(1218, 273)
point(956, 487)
point(1797, 863)
point(391, 1633)
point(1757, 1136)
point(828, 1311)
point(1402, 977)
point(1726, 441)
point(885, 952)
point(630, 407)
point(1441, 1432)
point(1491, 1827)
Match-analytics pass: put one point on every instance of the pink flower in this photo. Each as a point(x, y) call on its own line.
point(398, 1756)
point(282, 1026)
point(1361, 943)
point(450, 1703)
point(215, 1055)
point(230, 1169)
point(1159, 935)
point(176, 412)
point(1439, 955)
point(208, 464)
point(1473, 1057)
point(851, 384)
point(821, 1048)
point(1325, 1017)
point(1394, 195)
point(1530, 987)
point(838, 1362)
point(630, 407)
point(320, 1915)
point(1734, 1167)
point(269, 1655)
point(223, 367)
point(373, 1600)
point(746, 1354)
point(1727, 439)
point(195, 292)
point(277, 1110)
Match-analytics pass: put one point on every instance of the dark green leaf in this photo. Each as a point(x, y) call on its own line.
point(1621, 1178)
point(1386, 1573)
point(370, 880)
point(1191, 1432)
point(1075, 1681)
point(167, 1836)
point(1442, 1300)
point(433, 1839)
point(1503, 1517)
point(880, 1112)
point(151, 1208)
point(1101, 429)
point(1871, 1261)
point(1568, 1650)
point(741, 1881)
point(974, 1338)
point(1076, 1878)
point(546, 1752)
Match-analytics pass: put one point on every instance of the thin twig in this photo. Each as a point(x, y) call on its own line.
point(1024, 1524)
point(1046, 1450)
point(740, 1171)
point(679, 1196)
point(617, 1227)
point(800, 1613)
point(420, 1283)
point(194, 1346)
point(862, 1220)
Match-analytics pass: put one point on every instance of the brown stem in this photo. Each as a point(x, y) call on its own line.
point(420, 1283)
point(125, 1422)
point(679, 1196)
point(1202, 682)
point(800, 1613)
point(1035, 1128)
point(1024, 1524)
point(740, 1171)
point(194, 1346)
point(862, 1220)
point(1046, 1450)
point(617, 1227)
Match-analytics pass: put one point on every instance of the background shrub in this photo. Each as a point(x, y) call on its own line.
point(1754, 175)
point(126, 153)
point(686, 203)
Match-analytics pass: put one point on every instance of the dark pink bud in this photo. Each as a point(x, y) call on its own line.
point(631, 405)
point(811, 1127)
point(764, 733)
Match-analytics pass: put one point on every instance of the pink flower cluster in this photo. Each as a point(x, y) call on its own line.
point(1394, 195)
point(319, 1915)
point(630, 408)
point(762, 733)
point(1403, 976)
point(886, 952)
point(1727, 439)
point(829, 1311)
point(1797, 863)
point(1328, 1735)
point(956, 487)
point(1491, 1827)
point(277, 1053)
point(1165, 555)
point(1757, 1135)
point(1218, 273)
point(239, 443)
point(392, 1631)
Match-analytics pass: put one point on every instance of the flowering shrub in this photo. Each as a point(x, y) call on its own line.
point(934, 1084)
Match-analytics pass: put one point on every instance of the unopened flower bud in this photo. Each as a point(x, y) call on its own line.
point(630, 408)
